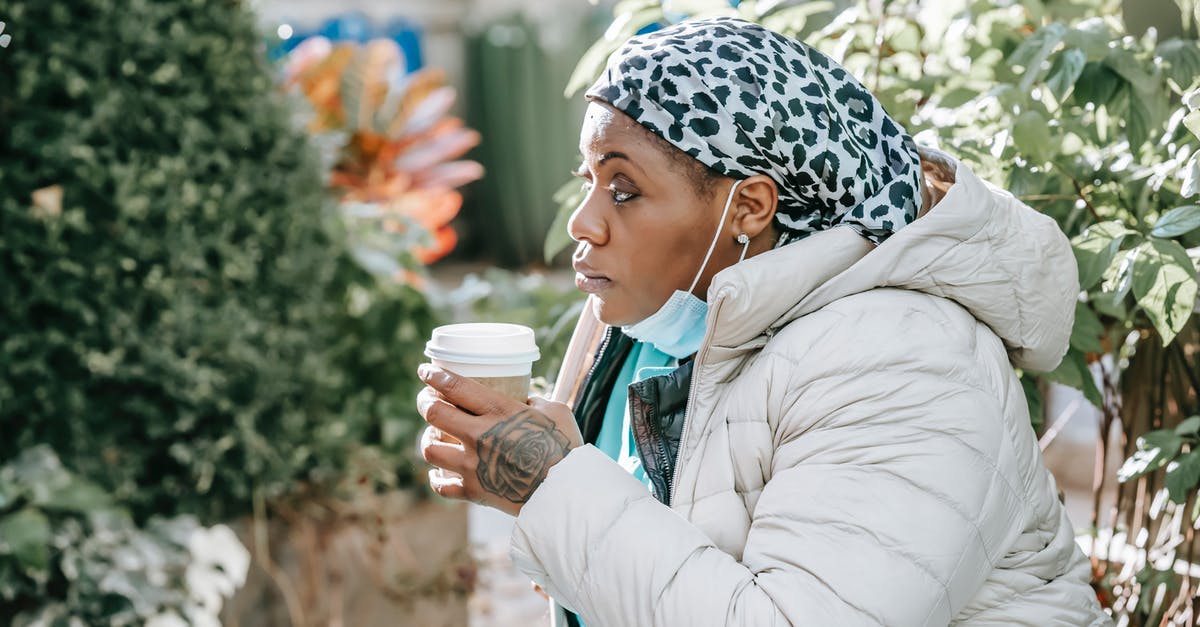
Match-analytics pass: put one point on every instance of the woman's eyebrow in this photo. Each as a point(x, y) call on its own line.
point(614, 155)
point(582, 170)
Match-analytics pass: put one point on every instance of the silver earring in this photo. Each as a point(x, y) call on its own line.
point(744, 240)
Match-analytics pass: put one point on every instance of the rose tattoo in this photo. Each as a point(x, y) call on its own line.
point(515, 454)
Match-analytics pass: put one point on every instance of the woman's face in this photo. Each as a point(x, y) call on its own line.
point(643, 228)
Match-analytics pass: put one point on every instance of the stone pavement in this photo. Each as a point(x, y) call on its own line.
point(503, 596)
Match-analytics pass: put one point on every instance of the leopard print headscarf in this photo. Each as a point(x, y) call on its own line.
point(745, 100)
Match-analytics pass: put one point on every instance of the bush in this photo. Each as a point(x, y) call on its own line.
point(181, 322)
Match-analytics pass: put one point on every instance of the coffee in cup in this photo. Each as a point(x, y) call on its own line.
point(498, 355)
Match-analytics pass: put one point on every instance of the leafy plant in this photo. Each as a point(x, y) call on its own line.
point(67, 553)
point(184, 322)
point(394, 144)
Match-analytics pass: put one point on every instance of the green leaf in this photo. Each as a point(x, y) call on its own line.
point(1150, 579)
point(77, 495)
point(1164, 283)
point(1180, 60)
point(1074, 372)
point(1191, 100)
point(1105, 305)
point(1182, 476)
point(1148, 106)
point(1177, 221)
point(1118, 277)
point(1192, 122)
point(1091, 36)
point(1097, 84)
point(1147, 112)
point(1034, 51)
point(1033, 399)
point(1085, 335)
point(1096, 248)
point(26, 535)
point(1191, 176)
point(1155, 449)
point(1126, 63)
point(1190, 426)
point(1033, 137)
point(1065, 72)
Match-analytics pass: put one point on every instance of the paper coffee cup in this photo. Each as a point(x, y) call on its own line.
point(498, 355)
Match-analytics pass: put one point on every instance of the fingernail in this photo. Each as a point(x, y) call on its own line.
point(423, 371)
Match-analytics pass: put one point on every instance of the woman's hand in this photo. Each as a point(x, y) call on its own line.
point(505, 447)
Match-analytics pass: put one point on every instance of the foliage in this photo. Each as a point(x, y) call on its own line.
point(183, 322)
point(1057, 103)
point(394, 143)
point(1176, 449)
point(67, 554)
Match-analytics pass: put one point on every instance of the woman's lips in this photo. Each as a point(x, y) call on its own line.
point(587, 279)
point(591, 284)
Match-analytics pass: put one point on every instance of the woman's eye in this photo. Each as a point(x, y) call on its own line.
point(621, 197)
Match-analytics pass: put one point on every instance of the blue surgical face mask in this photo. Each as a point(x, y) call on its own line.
point(677, 328)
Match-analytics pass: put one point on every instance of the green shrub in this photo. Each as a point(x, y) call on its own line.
point(185, 327)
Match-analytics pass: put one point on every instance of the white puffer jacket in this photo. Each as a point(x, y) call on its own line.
point(857, 448)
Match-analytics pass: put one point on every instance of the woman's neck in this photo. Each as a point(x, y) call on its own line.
point(937, 175)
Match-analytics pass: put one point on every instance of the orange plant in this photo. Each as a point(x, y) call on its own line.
point(399, 147)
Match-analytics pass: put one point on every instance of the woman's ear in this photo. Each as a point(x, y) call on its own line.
point(755, 204)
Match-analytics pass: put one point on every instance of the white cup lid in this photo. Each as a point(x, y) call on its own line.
point(493, 343)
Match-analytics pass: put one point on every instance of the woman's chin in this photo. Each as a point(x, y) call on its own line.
point(609, 313)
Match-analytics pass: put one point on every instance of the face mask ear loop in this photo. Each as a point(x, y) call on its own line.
point(716, 238)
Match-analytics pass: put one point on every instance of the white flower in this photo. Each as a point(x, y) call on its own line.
point(219, 546)
point(201, 617)
point(218, 568)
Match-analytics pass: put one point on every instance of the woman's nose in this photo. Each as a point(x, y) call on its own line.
point(587, 223)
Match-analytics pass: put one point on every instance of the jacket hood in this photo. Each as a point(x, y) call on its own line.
point(980, 247)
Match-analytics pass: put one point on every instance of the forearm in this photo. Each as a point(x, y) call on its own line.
point(598, 542)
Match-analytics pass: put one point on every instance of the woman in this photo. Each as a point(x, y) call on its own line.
point(803, 410)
